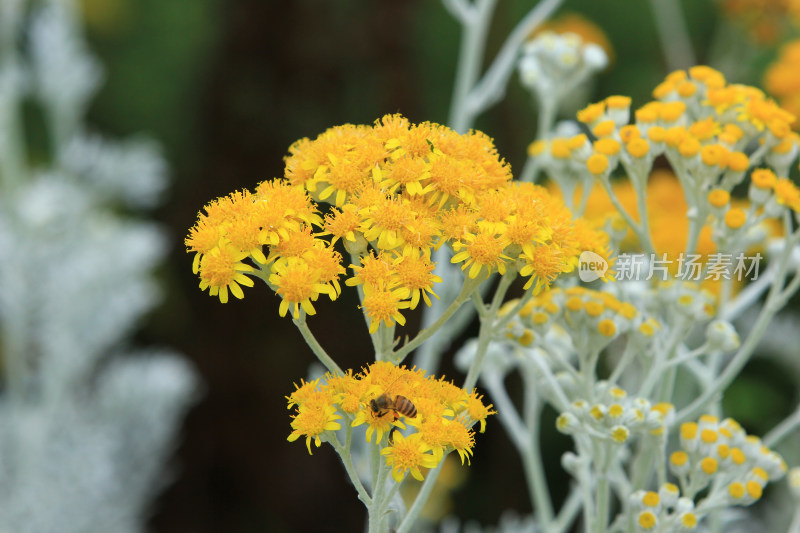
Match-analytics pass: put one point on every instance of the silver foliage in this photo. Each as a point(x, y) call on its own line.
point(86, 422)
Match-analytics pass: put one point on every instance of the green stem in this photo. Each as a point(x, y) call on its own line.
point(354, 260)
point(586, 489)
point(602, 498)
point(568, 512)
point(469, 286)
point(644, 238)
point(532, 458)
point(641, 205)
point(487, 330)
point(548, 108)
point(529, 171)
point(794, 527)
point(376, 516)
point(696, 221)
point(491, 87)
point(602, 495)
point(312, 342)
point(674, 36)
point(385, 342)
point(422, 497)
point(347, 459)
point(470, 58)
point(641, 470)
point(789, 424)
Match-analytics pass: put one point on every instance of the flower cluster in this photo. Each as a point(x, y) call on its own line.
point(398, 192)
point(581, 321)
point(614, 416)
point(577, 24)
point(436, 415)
point(557, 62)
point(716, 460)
point(700, 123)
point(714, 135)
point(664, 510)
point(593, 318)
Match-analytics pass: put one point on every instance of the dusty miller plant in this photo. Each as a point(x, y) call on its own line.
point(86, 421)
point(428, 215)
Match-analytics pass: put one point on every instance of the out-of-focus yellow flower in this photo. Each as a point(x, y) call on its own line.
point(766, 21)
point(588, 31)
point(782, 78)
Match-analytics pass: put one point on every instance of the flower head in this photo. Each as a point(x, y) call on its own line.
point(436, 416)
point(409, 454)
point(222, 270)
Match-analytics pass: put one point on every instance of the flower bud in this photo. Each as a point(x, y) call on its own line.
point(722, 336)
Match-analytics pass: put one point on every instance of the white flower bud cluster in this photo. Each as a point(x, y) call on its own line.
point(591, 318)
point(552, 64)
point(681, 301)
point(614, 416)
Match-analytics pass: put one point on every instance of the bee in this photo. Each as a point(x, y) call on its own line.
point(399, 404)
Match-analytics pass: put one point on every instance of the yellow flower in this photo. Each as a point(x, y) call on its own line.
point(542, 263)
point(477, 411)
point(315, 416)
point(384, 220)
point(587, 30)
point(280, 208)
point(415, 272)
point(409, 454)
point(383, 304)
point(460, 438)
point(303, 392)
point(459, 222)
point(203, 237)
point(343, 223)
point(787, 193)
point(376, 424)
point(222, 269)
point(782, 78)
point(764, 20)
point(327, 263)
point(399, 191)
point(481, 252)
point(297, 285)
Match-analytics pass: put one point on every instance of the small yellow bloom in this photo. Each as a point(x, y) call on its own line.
point(597, 163)
point(735, 218)
point(222, 269)
point(316, 415)
point(297, 285)
point(647, 520)
point(383, 304)
point(409, 454)
point(481, 252)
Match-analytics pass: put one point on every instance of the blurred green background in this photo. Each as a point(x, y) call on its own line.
point(226, 87)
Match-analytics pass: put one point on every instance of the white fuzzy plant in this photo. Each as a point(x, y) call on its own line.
point(547, 368)
point(86, 422)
